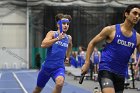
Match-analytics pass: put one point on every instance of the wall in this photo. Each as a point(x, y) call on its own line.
point(13, 38)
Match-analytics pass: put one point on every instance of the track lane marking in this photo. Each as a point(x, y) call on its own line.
point(0, 75)
point(21, 85)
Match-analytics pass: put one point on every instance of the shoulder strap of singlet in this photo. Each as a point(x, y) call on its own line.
point(117, 27)
point(55, 33)
point(134, 32)
point(135, 35)
point(68, 37)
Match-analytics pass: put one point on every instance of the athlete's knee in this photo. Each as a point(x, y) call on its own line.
point(59, 81)
point(108, 90)
point(37, 90)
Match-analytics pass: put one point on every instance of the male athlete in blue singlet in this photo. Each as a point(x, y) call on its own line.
point(59, 46)
point(121, 40)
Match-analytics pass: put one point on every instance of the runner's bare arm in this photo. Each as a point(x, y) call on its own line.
point(104, 34)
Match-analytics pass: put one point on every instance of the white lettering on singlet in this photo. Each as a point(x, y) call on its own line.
point(125, 43)
point(61, 44)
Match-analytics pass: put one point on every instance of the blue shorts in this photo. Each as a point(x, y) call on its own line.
point(45, 74)
point(96, 61)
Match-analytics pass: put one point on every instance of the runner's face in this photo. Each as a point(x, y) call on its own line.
point(65, 25)
point(134, 15)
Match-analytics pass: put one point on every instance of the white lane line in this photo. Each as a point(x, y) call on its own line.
point(24, 90)
point(0, 75)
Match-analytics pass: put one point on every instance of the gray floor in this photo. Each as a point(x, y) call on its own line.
point(90, 85)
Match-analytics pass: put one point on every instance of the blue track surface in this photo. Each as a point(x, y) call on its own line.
point(27, 78)
point(8, 83)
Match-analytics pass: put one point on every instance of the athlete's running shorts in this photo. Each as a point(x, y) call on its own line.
point(45, 74)
point(109, 79)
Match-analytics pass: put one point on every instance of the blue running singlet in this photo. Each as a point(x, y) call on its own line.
point(54, 63)
point(115, 56)
point(56, 53)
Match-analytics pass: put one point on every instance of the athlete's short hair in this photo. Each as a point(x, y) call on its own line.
point(61, 15)
point(129, 8)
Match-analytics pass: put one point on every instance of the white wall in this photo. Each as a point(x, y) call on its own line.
point(13, 36)
point(12, 58)
point(13, 40)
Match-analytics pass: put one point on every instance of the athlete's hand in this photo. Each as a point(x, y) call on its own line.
point(61, 36)
point(67, 60)
point(85, 68)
